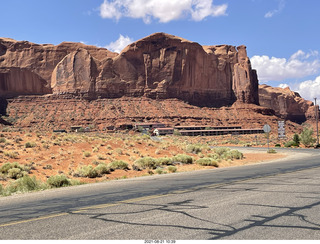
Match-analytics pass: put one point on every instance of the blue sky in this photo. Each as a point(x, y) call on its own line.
point(282, 36)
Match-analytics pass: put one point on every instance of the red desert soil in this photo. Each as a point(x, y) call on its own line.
point(64, 153)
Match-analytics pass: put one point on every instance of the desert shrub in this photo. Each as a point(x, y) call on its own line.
point(207, 162)
point(59, 181)
point(87, 154)
point(221, 150)
point(14, 170)
point(86, 171)
point(101, 157)
point(24, 184)
point(228, 154)
point(118, 164)
point(278, 145)
point(306, 137)
point(11, 154)
point(2, 140)
point(164, 161)
point(56, 143)
point(145, 137)
point(30, 144)
point(289, 144)
point(102, 169)
point(145, 163)
point(183, 158)
point(296, 140)
point(235, 154)
point(16, 173)
point(5, 168)
point(160, 171)
point(191, 148)
point(48, 166)
point(172, 169)
point(225, 154)
point(214, 156)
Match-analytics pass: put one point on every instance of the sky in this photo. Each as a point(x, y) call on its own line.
point(282, 36)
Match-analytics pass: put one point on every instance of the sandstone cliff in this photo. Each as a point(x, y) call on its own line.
point(287, 104)
point(158, 66)
point(26, 68)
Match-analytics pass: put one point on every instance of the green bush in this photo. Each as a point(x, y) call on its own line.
point(160, 171)
point(183, 158)
point(226, 153)
point(119, 164)
point(289, 144)
point(58, 181)
point(306, 137)
point(30, 144)
point(102, 169)
point(14, 170)
point(163, 161)
point(235, 154)
point(146, 163)
point(87, 154)
point(172, 169)
point(11, 154)
point(86, 171)
point(2, 140)
point(296, 140)
point(24, 184)
point(193, 149)
point(207, 162)
point(16, 173)
point(214, 156)
point(221, 150)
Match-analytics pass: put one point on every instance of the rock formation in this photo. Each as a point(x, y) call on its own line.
point(26, 68)
point(166, 66)
point(158, 66)
point(287, 104)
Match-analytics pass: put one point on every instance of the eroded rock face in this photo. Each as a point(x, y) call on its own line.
point(75, 73)
point(21, 81)
point(158, 66)
point(167, 66)
point(287, 104)
point(26, 68)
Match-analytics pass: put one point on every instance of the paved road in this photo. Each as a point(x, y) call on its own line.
point(279, 200)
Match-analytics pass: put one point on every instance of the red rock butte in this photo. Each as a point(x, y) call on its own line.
point(157, 66)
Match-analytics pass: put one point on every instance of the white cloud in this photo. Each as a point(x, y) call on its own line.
point(309, 89)
point(299, 65)
point(283, 85)
point(281, 6)
point(119, 44)
point(163, 10)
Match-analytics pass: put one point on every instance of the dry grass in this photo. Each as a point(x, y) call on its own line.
point(52, 154)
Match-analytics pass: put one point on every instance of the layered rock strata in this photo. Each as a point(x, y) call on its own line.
point(287, 104)
point(158, 66)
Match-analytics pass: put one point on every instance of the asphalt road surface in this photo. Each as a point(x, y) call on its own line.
point(275, 200)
